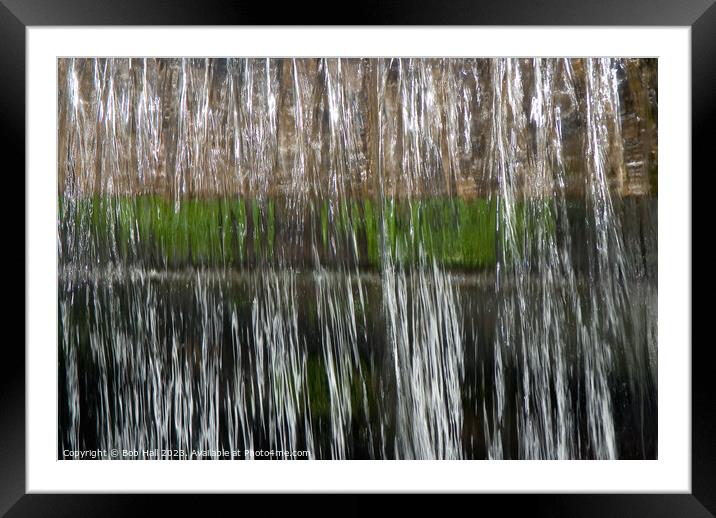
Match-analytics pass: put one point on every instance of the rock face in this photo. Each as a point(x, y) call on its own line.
point(353, 127)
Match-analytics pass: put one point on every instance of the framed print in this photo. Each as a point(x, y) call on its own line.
point(419, 259)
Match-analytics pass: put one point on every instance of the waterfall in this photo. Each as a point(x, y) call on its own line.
point(385, 258)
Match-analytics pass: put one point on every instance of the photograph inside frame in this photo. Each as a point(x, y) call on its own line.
point(378, 258)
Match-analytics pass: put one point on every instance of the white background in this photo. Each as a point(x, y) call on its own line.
point(671, 472)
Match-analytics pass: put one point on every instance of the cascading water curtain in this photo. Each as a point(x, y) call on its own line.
point(357, 258)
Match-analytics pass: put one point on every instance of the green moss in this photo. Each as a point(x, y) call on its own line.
point(318, 392)
point(270, 229)
point(531, 221)
point(362, 391)
point(371, 230)
point(455, 233)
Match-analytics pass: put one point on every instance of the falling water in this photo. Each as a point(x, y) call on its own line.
point(358, 258)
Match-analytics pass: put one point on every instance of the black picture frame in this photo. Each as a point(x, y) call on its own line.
point(17, 15)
